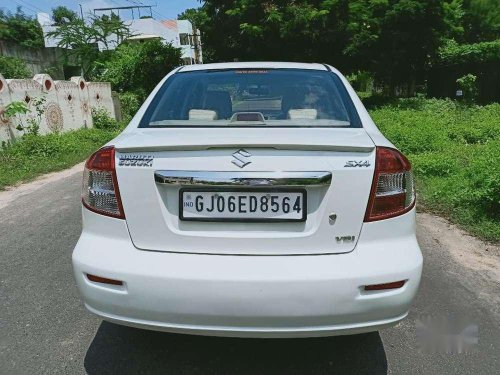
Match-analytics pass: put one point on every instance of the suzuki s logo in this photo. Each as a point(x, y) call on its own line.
point(241, 158)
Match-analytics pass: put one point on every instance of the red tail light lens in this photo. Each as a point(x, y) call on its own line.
point(103, 280)
point(392, 192)
point(393, 285)
point(100, 191)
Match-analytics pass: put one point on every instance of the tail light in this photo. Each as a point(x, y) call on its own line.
point(100, 191)
point(392, 192)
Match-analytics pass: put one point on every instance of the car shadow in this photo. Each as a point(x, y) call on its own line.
point(123, 350)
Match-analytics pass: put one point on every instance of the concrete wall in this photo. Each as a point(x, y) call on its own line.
point(67, 103)
point(40, 60)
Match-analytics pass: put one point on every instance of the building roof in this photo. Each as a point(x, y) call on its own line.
point(171, 24)
point(254, 65)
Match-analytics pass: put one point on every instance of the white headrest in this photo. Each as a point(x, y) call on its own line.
point(303, 114)
point(202, 114)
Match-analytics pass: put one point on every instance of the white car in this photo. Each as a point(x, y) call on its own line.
point(252, 200)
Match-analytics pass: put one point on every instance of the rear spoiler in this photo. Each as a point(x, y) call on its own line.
point(283, 146)
point(312, 139)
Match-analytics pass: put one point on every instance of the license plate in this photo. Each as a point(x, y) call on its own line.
point(243, 205)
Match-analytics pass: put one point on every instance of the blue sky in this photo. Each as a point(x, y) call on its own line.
point(163, 10)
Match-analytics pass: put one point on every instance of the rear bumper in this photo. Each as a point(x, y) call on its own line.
point(251, 296)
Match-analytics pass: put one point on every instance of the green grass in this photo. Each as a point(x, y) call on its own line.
point(32, 156)
point(455, 154)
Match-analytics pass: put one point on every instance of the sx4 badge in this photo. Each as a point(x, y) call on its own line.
point(356, 163)
point(137, 160)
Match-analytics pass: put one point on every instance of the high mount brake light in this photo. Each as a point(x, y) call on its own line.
point(100, 191)
point(392, 193)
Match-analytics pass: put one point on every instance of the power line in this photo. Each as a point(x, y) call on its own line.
point(158, 14)
point(31, 5)
point(29, 8)
point(141, 3)
point(134, 6)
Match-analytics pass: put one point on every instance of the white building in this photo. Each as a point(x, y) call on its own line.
point(179, 33)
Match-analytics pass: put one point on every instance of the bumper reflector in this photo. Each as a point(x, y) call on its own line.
point(393, 285)
point(103, 280)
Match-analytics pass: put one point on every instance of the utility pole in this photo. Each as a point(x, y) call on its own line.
point(81, 11)
point(196, 45)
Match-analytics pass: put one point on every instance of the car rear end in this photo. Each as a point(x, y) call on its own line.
point(261, 216)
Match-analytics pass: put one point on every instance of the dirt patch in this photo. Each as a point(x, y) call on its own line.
point(469, 251)
point(10, 194)
point(477, 263)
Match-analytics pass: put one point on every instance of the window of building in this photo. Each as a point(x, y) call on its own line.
point(184, 39)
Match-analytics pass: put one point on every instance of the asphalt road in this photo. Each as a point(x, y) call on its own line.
point(44, 327)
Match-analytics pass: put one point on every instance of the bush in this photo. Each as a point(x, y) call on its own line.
point(482, 191)
point(410, 124)
point(12, 67)
point(375, 100)
point(138, 67)
point(452, 53)
point(434, 164)
point(467, 84)
point(102, 119)
point(130, 104)
point(455, 153)
point(458, 60)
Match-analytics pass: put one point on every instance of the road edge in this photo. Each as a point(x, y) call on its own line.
point(11, 193)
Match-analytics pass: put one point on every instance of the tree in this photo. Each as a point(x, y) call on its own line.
point(481, 20)
point(21, 29)
point(138, 67)
point(364, 24)
point(197, 16)
point(81, 39)
point(272, 30)
point(110, 30)
point(397, 40)
point(62, 15)
point(453, 19)
point(408, 42)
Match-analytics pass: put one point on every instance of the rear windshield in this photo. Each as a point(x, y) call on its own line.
point(252, 97)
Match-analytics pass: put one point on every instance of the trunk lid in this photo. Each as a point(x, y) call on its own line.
point(152, 208)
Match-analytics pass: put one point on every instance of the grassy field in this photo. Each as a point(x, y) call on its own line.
point(455, 153)
point(36, 155)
